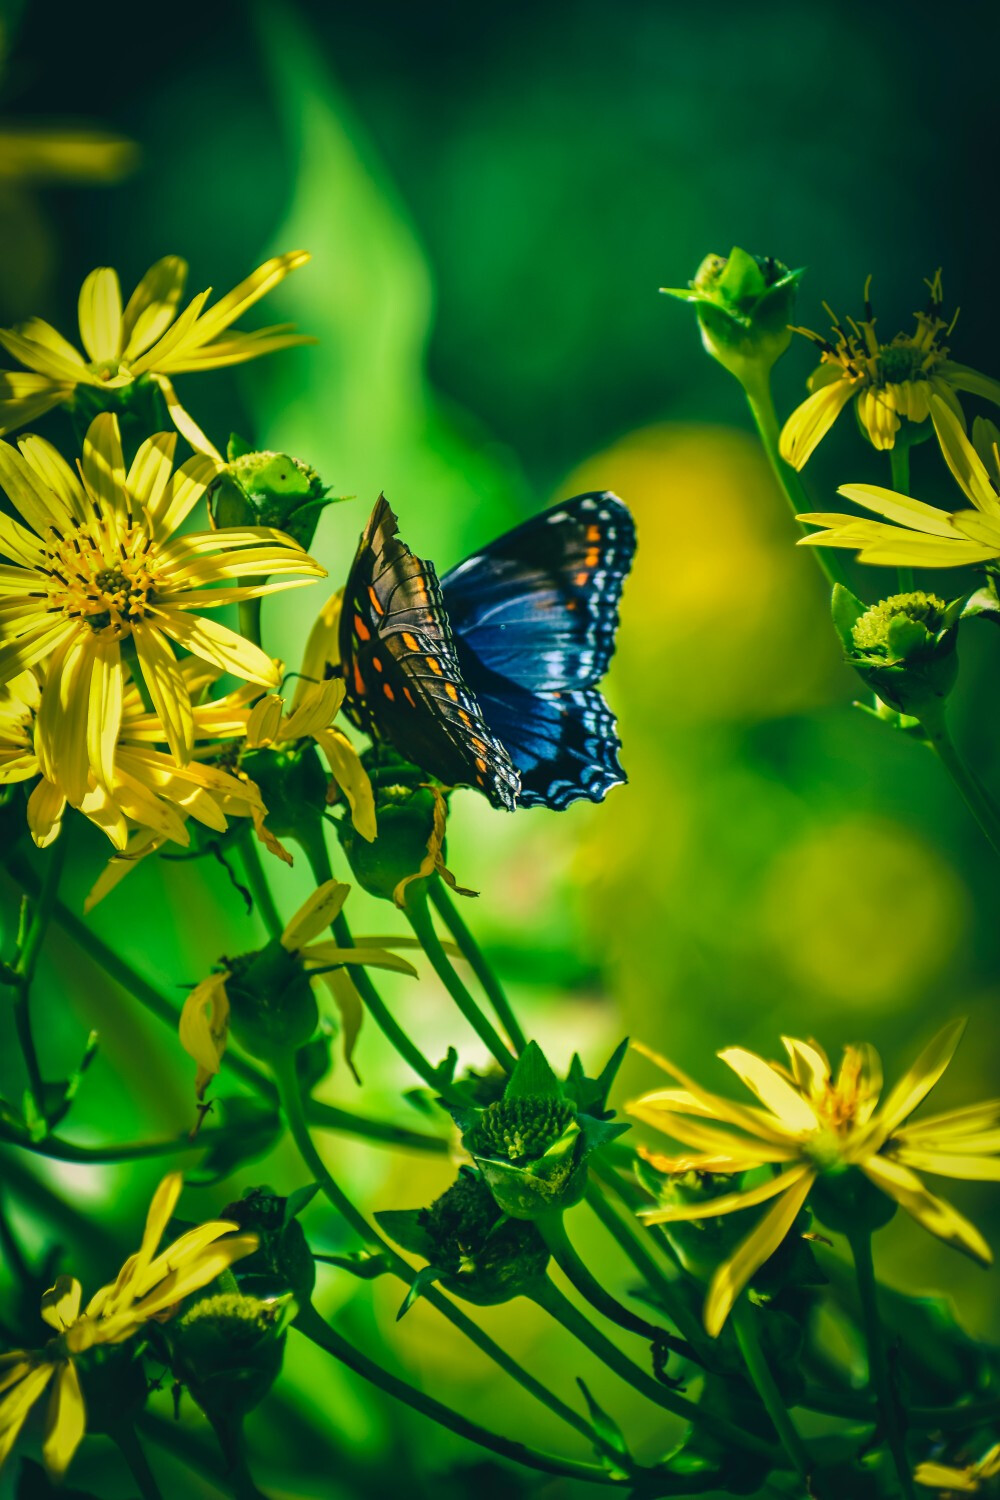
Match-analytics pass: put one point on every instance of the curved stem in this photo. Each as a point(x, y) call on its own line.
point(899, 462)
point(313, 1327)
point(879, 1375)
point(314, 847)
point(249, 616)
point(478, 963)
point(698, 1343)
point(258, 882)
point(132, 1452)
point(973, 794)
point(29, 950)
point(745, 1328)
point(761, 403)
point(552, 1228)
point(422, 923)
point(551, 1300)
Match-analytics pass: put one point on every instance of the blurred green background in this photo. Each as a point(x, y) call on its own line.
point(492, 196)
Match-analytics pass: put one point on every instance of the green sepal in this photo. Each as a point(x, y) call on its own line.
point(366, 1265)
point(591, 1094)
point(425, 1277)
point(846, 609)
point(532, 1075)
point(237, 447)
point(611, 1447)
point(848, 1201)
point(298, 1201)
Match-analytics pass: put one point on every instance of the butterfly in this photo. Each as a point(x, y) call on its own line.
point(488, 676)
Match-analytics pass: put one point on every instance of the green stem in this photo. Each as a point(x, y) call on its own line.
point(551, 1300)
point(291, 1100)
point(745, 1328)
point(422, 923)
point(879, 1375)
point(309, 1323)
point(257, 880)
point(132, 1452)
point(899, 462)
point(313, 845)
point(27, 962)
point(973, 794)
point(478, 963)
point(761, 404)
point(249, 617)
point(552, 1228)
point(664, 1287)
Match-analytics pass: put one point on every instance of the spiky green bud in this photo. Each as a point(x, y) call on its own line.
point(228, 1349)
point(744, 304)
point(522, 1129)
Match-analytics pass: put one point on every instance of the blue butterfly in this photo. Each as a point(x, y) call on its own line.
point(488, 676)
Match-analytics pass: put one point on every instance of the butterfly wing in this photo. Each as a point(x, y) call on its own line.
point(534, 617)
point(402, 674)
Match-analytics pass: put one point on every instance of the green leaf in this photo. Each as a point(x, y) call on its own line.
point(611, 1445)
point(533, 1076)
point(237, 447)
point(300, 1199)
point(742, 278)
point(424, 1278)
point(847, 610)
point(405, 1227)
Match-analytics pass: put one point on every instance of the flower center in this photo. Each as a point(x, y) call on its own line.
point(862, 357)
point(901, 361)
point(103, 575)
point(871, 630)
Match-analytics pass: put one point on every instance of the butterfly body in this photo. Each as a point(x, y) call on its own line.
point(488, 676)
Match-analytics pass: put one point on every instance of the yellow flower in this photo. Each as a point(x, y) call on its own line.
point(315, 705)
point(100, 569)
point(813, 1124)
point(889, 381)
point(964, 1481)
point(150, 340)
point(922, 535)
point(148, 1286)
point(204, 1021)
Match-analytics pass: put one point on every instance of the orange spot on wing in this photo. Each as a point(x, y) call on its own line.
point(452, 691)
point(593, 533)
point(359, 682)
point(480, 763)
point(581, 579)
point(387, 690)
point(361, 629)
point(376, 606)
point(592, 557)
point(465, 718)
point(410, 641)
point(377, 664)
point(409, 697)
point(434, 664)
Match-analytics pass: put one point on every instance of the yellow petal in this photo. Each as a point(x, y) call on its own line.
point(238, 348)
point(916, 1084)
point(810, 1065)
point(40, 332)
point(369, 958)
point(188, 1278)
point(901, 508)
point(322, 648)
point(53, 470)
point(809, 423)
point(161, 1211)
point(933, 1213)
point(235, 303)
point(944, 1477)
point(352, 778)
point(204, 1027)
point(153, 305)
point(41, 356)
point(61, 1303)
point(178, 498)
point(316, 709)
point(167, 688)
point(65, 1421)
point(351, 1011)
point(315, 913)
point(17, 1403)
point(746, 1117)
point(25, 398)
point(962, 458)
point(185, 423)
point(221, 646)
point(711, 1139)
point(984, 530)
point(101, 315)
point(961, 378)
point(157, 355)
point(730, 1203)
point(771, 1089)
point(264, 721)
point(733, 1275)
point(150, 471)
point(971, 1118)
point(40, 506)
point(105, 709)
point(967, 1166)
point(62, 729)
point(46, 806)
point(103, 465)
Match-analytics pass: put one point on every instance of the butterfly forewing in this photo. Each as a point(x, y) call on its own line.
point(403, 679)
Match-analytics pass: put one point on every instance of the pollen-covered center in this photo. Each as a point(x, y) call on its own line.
point(900, 362)
point(102, 574)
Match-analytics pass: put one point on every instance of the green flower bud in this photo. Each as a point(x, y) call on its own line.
point(268, 489)
point(522, 1129)
point(744, 305)
point(282, 1261)
point(272, 1007)
point(478, 1252)
point(406, 829)
point(227, 1350)
point(701, 1245)
point(292, 783)
point(903, 648)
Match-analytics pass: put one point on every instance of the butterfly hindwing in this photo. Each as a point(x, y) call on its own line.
point(534, 618)
point(401, 669)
